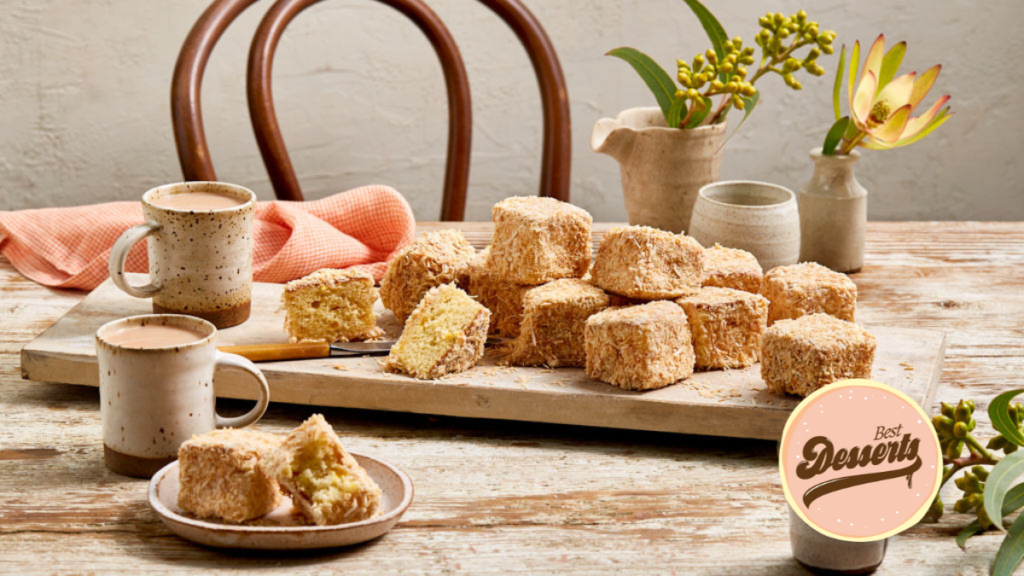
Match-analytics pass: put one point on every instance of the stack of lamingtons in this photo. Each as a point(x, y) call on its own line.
point(653, 307)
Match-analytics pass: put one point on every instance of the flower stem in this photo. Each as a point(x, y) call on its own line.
point(848, 146)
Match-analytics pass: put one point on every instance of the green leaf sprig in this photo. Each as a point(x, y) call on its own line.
point(986, 489)
point(721, 71)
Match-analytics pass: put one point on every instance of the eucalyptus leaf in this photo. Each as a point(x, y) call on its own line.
point(715, 31)
point(834, 136)
point(891, 64)
point(999, 412)
point(838, 86)
point(699, 115)
point(1011, 551)
point(676, 112)
point(968, 531)
point(657, 80)
point(999, 482)
point(1014, 501)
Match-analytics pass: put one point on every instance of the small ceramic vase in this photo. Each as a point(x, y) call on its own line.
point(833, 213)
point(662, 168)
point(757, 217)
point(823, 555)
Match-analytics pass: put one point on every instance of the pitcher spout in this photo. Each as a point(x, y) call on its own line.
point(613, 138)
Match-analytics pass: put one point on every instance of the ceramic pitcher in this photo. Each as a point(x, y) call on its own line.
point(662, 168)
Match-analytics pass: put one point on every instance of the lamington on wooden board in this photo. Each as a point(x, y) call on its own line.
point(802, 355)
point(808, 288)
point(648, 264)
point(434, 259)
point(639, 347)
point(537, 240)
point(331, 305)
point(554, 317)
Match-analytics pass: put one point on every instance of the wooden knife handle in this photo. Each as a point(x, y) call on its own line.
point(284, 351)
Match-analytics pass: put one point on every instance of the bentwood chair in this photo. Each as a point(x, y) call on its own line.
point(190, 139)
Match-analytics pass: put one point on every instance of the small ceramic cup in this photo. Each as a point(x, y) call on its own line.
point(153, 399)
point(200, 261)
point(758, 217)
point(823, 555)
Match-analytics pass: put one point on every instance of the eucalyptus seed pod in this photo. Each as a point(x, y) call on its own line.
point(828, 49)
point(1010, 448)
point(738, 102)
point(963, 411)
point(962, 505)
point(983, 518)
point(996, 443)
point(955, 449)
point(790, 65)
point(948, 409)
point(935, 511)
point(960, 430)
point(943, 425)
point(980, 472)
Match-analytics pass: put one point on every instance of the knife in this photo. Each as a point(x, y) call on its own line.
point(302, 350)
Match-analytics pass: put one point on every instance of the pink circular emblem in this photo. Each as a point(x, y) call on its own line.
point(860, 461)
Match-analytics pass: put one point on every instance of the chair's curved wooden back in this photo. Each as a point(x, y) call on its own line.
point(556, 159)
point(187, 85)
point(186, 104)
point(268, 133)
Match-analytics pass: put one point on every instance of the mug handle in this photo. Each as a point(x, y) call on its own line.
point(119, 253)
point(225, 360)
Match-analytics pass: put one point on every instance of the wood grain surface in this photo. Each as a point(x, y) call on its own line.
point(733, 403)
point(511, 497)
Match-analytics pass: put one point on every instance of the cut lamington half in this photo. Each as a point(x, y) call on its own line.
point(332, 306)
point(326, 483)
point(446, 333)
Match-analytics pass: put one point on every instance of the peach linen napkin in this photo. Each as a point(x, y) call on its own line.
point(70, 247)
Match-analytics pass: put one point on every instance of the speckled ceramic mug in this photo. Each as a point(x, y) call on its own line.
point(200, 261)
point(154, 398)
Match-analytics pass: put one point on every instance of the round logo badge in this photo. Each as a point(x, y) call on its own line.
point(860, 461)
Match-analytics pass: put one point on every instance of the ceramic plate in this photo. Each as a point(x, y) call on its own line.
point(280, 529)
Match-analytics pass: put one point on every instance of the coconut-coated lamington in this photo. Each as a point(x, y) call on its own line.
point(648, 264)
point(732, 268)
point(554, 317)
point(446, 333)
point(639, 347)
point(504, 299)
point(800, 356)
point(808, 288)
point(537, 240)
point(726, 326)
point(326, 483)
point(331, 305)
point(436, 258)
point(223, 475)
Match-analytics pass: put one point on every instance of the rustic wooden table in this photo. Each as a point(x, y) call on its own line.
point(498, 497)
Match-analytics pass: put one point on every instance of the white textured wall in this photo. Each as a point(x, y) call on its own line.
point(84, 112)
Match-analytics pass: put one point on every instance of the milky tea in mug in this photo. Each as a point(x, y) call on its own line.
point(157, 388)
point(200, 251)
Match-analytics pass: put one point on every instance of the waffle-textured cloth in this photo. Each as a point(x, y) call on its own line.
point(70, 247)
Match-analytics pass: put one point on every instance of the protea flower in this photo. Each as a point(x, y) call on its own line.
point(882, 105)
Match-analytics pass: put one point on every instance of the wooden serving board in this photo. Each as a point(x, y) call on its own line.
point(718, 403)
